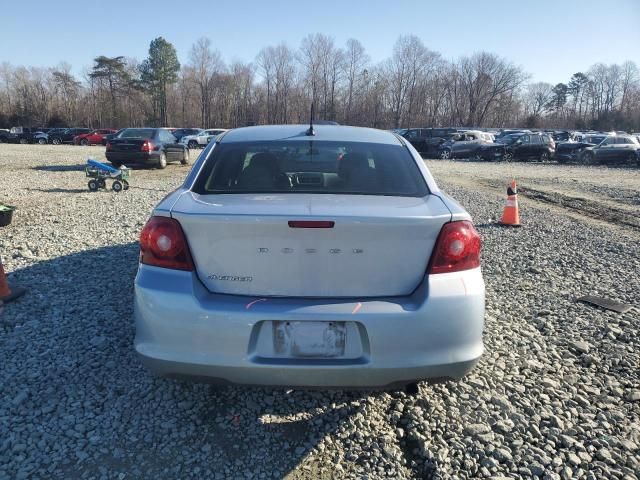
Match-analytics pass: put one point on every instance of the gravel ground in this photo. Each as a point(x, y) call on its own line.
point(556, 396)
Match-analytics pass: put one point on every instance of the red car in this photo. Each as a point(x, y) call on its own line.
point(93, 138)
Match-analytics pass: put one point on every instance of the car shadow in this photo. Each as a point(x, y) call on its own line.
point(70, 339)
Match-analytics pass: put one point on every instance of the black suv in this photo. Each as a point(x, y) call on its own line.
point(520, 146)
point(21, 135)
point(67, 135)
point(623, 149)
point(427, 141)
point(150, 146)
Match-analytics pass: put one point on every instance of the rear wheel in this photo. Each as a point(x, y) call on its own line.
point(445, 154)
point(42, 141)
point(93, 185)
point(117, 186)
point(84, 142)
point(544, 157)
point(192, 144)
point(507, 157)
point(186, 158)
point(162, 161)
point(56, 141)
point(125, 185)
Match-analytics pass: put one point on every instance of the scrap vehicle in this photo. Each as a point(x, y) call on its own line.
point(202, 138)
point(427, 141)
point(574, 151)
point(518, 146)
point(464, 144)
point(615, 149)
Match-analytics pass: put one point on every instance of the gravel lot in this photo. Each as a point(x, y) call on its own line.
point(557, 394)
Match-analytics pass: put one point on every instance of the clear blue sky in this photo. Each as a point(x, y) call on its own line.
point(549, 39)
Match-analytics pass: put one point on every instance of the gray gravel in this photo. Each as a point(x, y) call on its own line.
point(556, 396)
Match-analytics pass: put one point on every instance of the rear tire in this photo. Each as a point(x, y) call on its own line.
point(84, 142)
point(186, 157)
point(192, 144)
point(162, 161)
point(117, 186)
point(544, 157)
point(93, 185)
point(42, 141)
point(507, 157)
point(56, 141)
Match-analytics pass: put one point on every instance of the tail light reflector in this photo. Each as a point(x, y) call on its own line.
point(163, 244)
point(457, 248)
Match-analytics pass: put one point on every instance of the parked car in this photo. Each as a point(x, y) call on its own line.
point(149, 146)
point(21, 135)
point(42, 138)
point(4, 135)
point(67, 135)
point(181, 132)
point(614, 149)
point(464, 144)
point(289, 259)
point(427, 141)
point(202, 138)
point(574, 151)
point(94, 137)
point(519, 146)
point(107, 138)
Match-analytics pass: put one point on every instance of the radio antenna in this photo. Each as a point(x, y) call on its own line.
point(311, 132)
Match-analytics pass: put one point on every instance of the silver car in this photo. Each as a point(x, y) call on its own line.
point(323, 257)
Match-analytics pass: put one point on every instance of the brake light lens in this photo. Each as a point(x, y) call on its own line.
point(163, 244)
point(457, 248)
point(147, 146)
point(311, 224)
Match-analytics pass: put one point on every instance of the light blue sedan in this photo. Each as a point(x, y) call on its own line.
point(323, 257)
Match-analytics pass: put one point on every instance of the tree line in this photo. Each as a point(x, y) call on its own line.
point(414, 87)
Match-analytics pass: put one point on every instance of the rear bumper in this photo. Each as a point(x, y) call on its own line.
point(135, 157)
point(182, 330)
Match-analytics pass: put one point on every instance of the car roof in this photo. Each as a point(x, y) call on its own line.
point(298, 133)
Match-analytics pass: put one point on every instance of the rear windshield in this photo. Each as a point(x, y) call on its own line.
point(137, 133)
point(311, 167)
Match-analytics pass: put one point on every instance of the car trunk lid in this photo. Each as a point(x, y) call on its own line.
point(244, 244)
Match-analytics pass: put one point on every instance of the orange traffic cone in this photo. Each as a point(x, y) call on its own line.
point(8, 294)
point(510, 215)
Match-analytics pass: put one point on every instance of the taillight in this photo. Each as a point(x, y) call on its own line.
point(163, 244)
point(108, 146)
point(147, 146)
point(457, 248)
